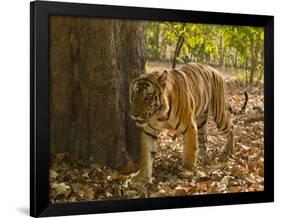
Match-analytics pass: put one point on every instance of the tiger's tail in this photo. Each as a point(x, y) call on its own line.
point(243, 108)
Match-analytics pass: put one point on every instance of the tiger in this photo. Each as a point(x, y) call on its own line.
point(180, 100)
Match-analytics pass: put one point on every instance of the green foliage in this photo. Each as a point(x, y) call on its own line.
point(226, 46)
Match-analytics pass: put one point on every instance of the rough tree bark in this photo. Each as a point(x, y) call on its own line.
point(92, 62)
point(255, 47)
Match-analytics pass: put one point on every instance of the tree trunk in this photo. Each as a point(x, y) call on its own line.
point(236, 58)
point(253, 64)
point(157, 42)
point(246, 69)
point(221, 61)
point(131, 63)
point(92, 62)
point(261, 63)
point(255, 50)
point(178, 49)
point(180, 43)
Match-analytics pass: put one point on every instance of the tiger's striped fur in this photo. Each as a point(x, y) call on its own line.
point(180, 99)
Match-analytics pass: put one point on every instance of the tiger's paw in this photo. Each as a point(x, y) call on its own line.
point(189, 164)
point(228, 152)
point(140, 179)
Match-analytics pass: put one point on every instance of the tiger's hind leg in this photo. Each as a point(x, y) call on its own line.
point(226, 127)
point(230, 142)
point(202, 136)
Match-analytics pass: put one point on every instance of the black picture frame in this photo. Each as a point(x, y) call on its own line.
point(39, 114)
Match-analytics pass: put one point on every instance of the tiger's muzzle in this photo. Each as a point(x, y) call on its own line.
point(139, 121)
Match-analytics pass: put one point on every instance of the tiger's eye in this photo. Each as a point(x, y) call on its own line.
point(146, 98)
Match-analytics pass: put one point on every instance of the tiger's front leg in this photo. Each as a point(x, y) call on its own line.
point(190, 146)
point(148, 149)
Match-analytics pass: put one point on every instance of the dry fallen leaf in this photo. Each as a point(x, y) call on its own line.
point(61, 188)
point(53, 174)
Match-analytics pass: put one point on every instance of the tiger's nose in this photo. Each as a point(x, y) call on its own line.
point(136, 117)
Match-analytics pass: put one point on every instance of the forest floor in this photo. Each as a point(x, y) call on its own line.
point(73, 180)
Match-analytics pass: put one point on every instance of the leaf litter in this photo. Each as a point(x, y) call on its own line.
point(73, 180)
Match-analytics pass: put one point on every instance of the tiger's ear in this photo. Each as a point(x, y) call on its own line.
point(162, 78)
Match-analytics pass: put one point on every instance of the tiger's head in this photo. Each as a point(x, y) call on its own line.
point(146, 96)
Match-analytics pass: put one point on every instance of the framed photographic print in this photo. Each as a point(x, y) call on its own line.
point(140, 109)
